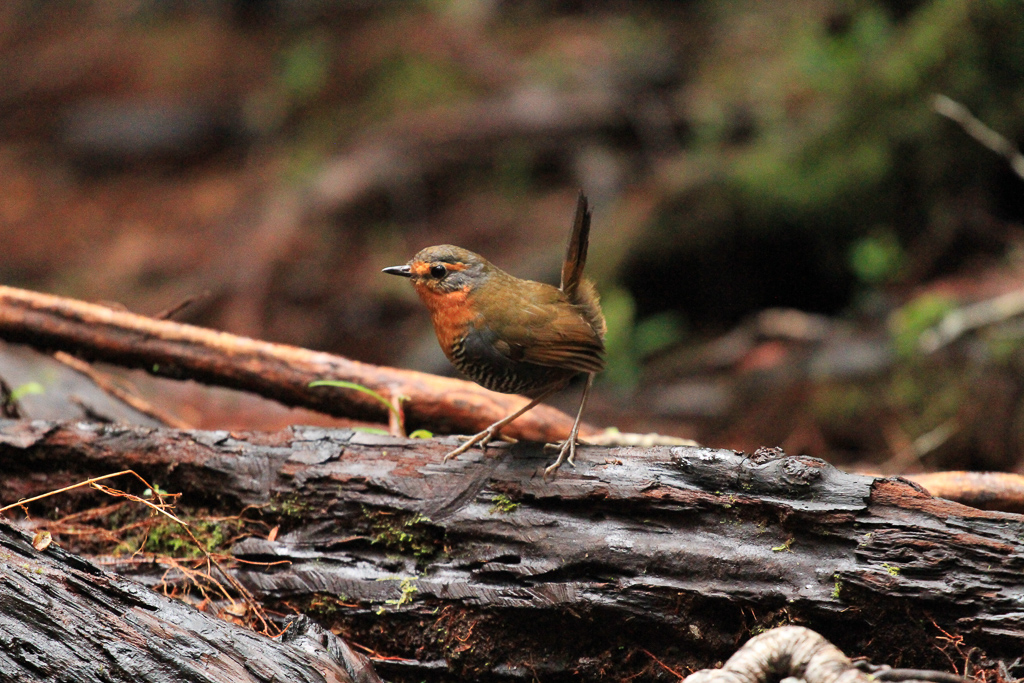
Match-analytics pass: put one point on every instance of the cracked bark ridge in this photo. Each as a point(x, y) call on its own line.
point(480, 568)
point(64, 619)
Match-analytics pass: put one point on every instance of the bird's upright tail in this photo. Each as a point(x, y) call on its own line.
point(576, 251)
point(578, 289)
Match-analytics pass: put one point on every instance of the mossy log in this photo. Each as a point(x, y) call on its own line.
point(637, 561)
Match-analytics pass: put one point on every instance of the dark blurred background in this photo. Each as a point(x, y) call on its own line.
point(781, 215)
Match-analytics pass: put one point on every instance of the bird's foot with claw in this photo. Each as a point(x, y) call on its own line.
point(482, 438)
point(566, 453)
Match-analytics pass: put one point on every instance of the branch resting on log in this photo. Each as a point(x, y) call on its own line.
point(275, 371)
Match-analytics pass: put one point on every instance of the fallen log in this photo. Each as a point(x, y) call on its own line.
point(636, 559)
point(276, 371)
point(64, 619)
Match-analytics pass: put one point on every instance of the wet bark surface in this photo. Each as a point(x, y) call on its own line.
point(64, 619)
point(481, 569)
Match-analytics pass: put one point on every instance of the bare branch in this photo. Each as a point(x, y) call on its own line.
point(957, 112)
point(276, 371)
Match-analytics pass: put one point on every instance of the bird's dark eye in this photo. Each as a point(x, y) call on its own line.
point(438, 271)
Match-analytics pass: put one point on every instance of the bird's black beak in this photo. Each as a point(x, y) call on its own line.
point(404, 271)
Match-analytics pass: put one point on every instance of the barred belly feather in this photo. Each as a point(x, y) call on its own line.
point(475, 356)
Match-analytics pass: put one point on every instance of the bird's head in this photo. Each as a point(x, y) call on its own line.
point(442, 270)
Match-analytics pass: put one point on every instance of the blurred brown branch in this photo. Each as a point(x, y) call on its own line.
point(276, 371)
point(985, 490)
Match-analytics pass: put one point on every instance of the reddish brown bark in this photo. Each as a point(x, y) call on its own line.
point(276, 371)
point(986, 490)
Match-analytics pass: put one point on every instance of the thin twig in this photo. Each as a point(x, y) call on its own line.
point(917, 675)
point(247, 597)
point(87, 482)
point(376, 655)
point(396, 416)
point(907, 452)
point(663, 665)
point(260, 564)
point(126, 396)
point(211, 560)
point(122, 494)
point(975, 316)
point(957, 112)
point(193, 576)
point(169, 313)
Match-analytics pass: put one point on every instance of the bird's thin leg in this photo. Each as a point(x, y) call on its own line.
point(568, 449)
point(485, 436)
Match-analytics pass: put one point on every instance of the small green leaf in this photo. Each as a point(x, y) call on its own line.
point(422, 434)
point(25, 389)
point(357, 387)
point(148, 493)
point(786, 547)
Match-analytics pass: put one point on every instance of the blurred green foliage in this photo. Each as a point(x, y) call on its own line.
point(305, 67)
point(911, 320)
point(623, 369)
point(876, 259)
point(822, 117)
point(410, 82)
point(657, 332)
point(629, 342)
point(927, 395)
point(917, 397)
point(837, 102)
point(513, 169)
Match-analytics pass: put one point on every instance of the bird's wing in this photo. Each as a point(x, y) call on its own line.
point(553, 334)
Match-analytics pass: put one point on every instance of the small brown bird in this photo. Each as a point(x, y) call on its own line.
point(510, 335)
